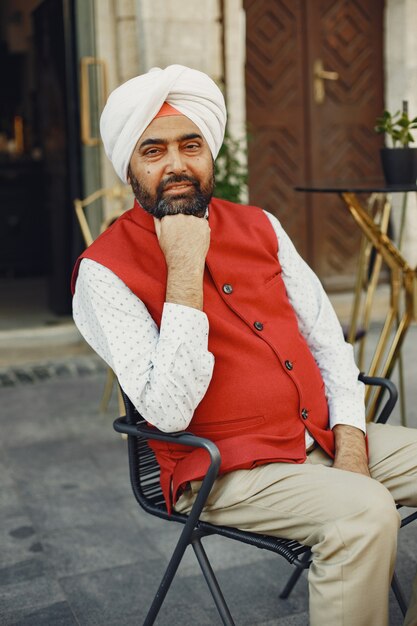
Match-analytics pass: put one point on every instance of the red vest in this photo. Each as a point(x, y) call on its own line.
point(266, 386)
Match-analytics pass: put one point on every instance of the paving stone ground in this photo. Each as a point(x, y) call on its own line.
point(76, 550)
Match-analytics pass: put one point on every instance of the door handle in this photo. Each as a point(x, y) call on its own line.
point(320, 75)
point(89, 105)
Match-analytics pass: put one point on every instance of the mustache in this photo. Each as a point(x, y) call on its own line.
point(175, 179)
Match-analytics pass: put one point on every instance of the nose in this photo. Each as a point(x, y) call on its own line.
point(176, 162)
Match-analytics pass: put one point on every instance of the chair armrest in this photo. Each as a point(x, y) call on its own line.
point(182, 437)
point(185, 439)
point(386, 385)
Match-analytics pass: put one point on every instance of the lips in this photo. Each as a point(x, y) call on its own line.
point(178, 187)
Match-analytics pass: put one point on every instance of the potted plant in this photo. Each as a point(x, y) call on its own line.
point(399, 162)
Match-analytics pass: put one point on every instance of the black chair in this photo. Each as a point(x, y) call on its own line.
point(144, 476)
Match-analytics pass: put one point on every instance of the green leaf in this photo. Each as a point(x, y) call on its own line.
point(397, 126)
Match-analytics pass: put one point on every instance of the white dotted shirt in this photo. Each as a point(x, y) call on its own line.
point(166, 372)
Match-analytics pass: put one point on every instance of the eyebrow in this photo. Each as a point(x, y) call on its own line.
point(152, 141)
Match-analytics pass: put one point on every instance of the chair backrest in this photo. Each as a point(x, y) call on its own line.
point(144, 469)
point(117, 197)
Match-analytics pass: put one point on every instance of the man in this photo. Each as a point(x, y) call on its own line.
point(212, 321)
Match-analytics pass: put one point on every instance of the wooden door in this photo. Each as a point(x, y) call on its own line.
point(293, 138)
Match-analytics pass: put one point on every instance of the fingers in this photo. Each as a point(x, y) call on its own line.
point(183, 238)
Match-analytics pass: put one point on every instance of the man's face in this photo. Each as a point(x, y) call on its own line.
point(171, 170)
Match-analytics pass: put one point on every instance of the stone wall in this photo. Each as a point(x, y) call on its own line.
point(117, 42)
point(180, 31)
point(401, 84)
point(401, 54)
point(235, 54)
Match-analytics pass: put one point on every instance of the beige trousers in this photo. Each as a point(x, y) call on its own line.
point(349, 520)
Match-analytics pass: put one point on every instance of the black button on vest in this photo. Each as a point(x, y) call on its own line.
point(227, 288)
point(289, 365)
point(304, 414)
point(258, 325)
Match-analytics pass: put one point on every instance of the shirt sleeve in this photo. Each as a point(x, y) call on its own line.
point(165, 372)
point(320, 327)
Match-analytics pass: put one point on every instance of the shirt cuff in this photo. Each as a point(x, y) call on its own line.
point(187, 324)
point(355, 417)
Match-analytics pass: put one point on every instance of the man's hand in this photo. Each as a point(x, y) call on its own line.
point(184, 240)
point(350, 450)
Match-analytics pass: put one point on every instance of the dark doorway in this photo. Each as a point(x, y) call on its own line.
point(22, 215)
point(57, 113)
point(39, 150)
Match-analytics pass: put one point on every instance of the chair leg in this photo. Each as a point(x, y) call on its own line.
point(212, 583)
point(168, 577)
point(398, 592)
point(293, 579)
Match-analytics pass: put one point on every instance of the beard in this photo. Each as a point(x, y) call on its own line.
point(192, 202)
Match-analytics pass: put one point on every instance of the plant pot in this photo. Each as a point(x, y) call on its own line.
point(399, 165)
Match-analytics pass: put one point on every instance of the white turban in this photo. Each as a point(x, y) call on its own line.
point(131, 108)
